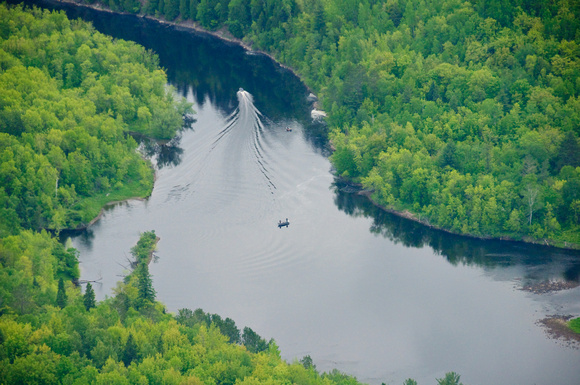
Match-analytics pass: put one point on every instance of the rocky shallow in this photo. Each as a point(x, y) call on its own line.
point(556, 327)
point(547, 287)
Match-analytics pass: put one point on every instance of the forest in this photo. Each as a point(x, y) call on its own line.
point(465, 114)
point(71, 102)
point(462, 114)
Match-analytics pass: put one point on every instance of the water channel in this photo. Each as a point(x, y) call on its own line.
point(357, 289)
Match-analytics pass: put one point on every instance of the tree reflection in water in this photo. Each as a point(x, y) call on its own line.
point(538, 262)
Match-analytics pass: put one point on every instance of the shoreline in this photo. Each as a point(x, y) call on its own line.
point(413, 217)
point(556, 328)
point(221, 33)
point(108, 204)
point(226, 36)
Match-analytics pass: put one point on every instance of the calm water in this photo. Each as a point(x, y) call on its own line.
point(355, 288)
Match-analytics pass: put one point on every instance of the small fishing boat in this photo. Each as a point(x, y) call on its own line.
point(283, 224)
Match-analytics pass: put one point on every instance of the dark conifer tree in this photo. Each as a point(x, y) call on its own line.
point(145, 285)
point(89, 297)
point(130, 351)
point(61, 298)
point(569, 154)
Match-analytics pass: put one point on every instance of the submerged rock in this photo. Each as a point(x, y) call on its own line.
point(546, 287)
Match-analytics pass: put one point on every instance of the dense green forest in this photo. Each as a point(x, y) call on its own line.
point(70, 101)
point(465, 114)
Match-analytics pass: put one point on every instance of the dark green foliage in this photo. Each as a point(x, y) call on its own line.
point(569, 151)
point(450, 378)
point(146, 292)
point(240, 18)
point(130, 351)
point(448, 156)
point(151, 6)
point(131, 6)
point(143, 252)
point(227, 327)
point(449, 111)
point(89, 297)
point(190, 318)
point(184, 9)
point(253, 342)
point(212, 13)
point(61, 297)
point(171, 9)
point(307, 362)
point(49, 166)
point(193, 9)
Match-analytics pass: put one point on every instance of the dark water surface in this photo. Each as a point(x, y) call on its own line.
point(355, 288)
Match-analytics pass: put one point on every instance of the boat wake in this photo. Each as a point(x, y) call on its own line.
point(244, 130)
point(233, 160)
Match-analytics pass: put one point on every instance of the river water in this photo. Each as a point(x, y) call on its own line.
point(357, 289)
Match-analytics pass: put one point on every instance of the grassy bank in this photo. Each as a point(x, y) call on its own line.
point(574, 324)
point(90, 209)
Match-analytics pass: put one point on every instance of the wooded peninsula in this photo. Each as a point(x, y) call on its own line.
point(465, 114)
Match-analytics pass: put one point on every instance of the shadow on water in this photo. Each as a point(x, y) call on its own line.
point(539, 262)
point(188, 58)
point(190, 62)
point(163, 154)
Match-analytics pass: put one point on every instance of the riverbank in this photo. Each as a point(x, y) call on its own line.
point(417, 218)
point(221, 33)
point(557, 328)
point(226, 36)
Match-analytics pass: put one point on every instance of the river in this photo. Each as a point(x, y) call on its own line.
point(357, 289)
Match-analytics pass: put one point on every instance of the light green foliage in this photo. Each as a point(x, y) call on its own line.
point(456, 111)
point(575, 324)
point(145, 247)
point(69, 96)
point(120, 342)
point(465, 113)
